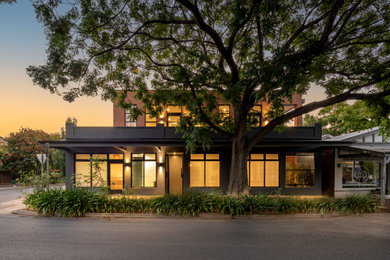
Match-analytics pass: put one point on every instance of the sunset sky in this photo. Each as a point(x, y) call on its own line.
point(23, 43)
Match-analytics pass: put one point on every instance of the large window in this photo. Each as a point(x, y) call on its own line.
point(360, 174)
point(300, 170)
point(91, 170)
point(263, 170)
point(143, 170)
point(128, 121)
point(204, 170)
point(173, 115)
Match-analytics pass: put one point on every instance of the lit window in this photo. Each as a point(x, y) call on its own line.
point(263, 170)
point(300, 170)
point(204, 170)
point(128, 121)
point(91, 171)
point(174, 115)
point(143, 170)
point(361, 174)
point(150, 121)
point(224, 111)
point(255, 116)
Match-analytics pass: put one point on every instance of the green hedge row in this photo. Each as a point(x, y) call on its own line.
point(77, 202)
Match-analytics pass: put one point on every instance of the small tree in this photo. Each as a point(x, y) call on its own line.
point(245, 51)
point(22, 148)
point(343, 118)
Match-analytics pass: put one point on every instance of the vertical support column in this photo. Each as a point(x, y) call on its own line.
point(69, 169)
point(385, 161)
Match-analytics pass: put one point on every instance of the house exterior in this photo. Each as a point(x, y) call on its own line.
point(149, 157)
point(363, 166)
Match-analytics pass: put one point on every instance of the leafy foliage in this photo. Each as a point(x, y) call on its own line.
point(244, 51)
point(343, 118)
point(22, 147)
point(77, 202)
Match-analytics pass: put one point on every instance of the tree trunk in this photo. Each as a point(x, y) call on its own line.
point(238, 172)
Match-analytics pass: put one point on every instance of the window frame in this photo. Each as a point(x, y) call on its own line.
point(204, 169)
point(107, 160)
point(314, 171)
point(173, 114)
point(354, 161)
point(264, 160)
point(224, 115)
point(142, 160)
point(127, 120)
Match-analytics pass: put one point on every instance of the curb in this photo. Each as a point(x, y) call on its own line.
point(26, 212)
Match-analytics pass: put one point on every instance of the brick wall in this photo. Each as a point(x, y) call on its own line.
point(119, 113)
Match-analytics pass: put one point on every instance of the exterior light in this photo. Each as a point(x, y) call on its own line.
point(161, 116)
point(161, 122)
point(266, 122)
point(127, 160)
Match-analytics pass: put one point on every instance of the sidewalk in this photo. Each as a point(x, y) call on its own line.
point(12, 206)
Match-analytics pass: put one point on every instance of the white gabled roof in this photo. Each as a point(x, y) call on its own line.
point(354, 135)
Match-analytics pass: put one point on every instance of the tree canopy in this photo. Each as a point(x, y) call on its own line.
point(246, 51)
point(343, 118)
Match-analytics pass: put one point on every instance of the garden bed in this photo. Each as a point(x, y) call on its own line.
point(78, 202)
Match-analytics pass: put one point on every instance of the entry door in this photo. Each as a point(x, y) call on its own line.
point(175, 179)
point(116, 176)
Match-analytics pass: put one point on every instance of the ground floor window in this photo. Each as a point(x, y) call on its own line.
point(204, 170)
point(263, 170)
point(360, 174)
point(91, 170)
point(300, 169)
point(143, 170)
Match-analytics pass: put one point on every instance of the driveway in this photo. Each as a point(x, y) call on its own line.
point(352, 237)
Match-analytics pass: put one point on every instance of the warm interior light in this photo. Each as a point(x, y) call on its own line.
point(127, 160)
point(266, 122)
point(161, 122)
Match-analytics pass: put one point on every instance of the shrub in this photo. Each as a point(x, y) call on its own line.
point(77, 202)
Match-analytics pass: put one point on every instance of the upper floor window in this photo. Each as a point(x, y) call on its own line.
point(173, 115)
point(224, 111)
point(255, 115)
point(128, 121)
point(150, 121)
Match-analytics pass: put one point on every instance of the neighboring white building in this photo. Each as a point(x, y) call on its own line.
point(358, 167)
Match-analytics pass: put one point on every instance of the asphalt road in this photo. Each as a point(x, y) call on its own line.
point(353, 237)
point(10, 193)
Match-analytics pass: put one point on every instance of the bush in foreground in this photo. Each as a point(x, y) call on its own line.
point(77, 202)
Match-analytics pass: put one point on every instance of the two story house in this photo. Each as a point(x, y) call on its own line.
point(147, 156)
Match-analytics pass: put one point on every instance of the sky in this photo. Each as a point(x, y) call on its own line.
point(22, 104)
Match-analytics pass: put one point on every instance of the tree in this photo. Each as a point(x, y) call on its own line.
point(243, 50)
point(22, 148)
point(342, 118)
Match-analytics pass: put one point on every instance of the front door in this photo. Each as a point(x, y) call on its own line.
point(116, 176)
point(175, 171)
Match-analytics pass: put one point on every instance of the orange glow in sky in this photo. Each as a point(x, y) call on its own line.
point(23, 43)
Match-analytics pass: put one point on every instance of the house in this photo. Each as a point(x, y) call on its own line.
point(363, 166)
point(148, 156)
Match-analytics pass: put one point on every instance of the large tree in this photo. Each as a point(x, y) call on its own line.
point(246, 51)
